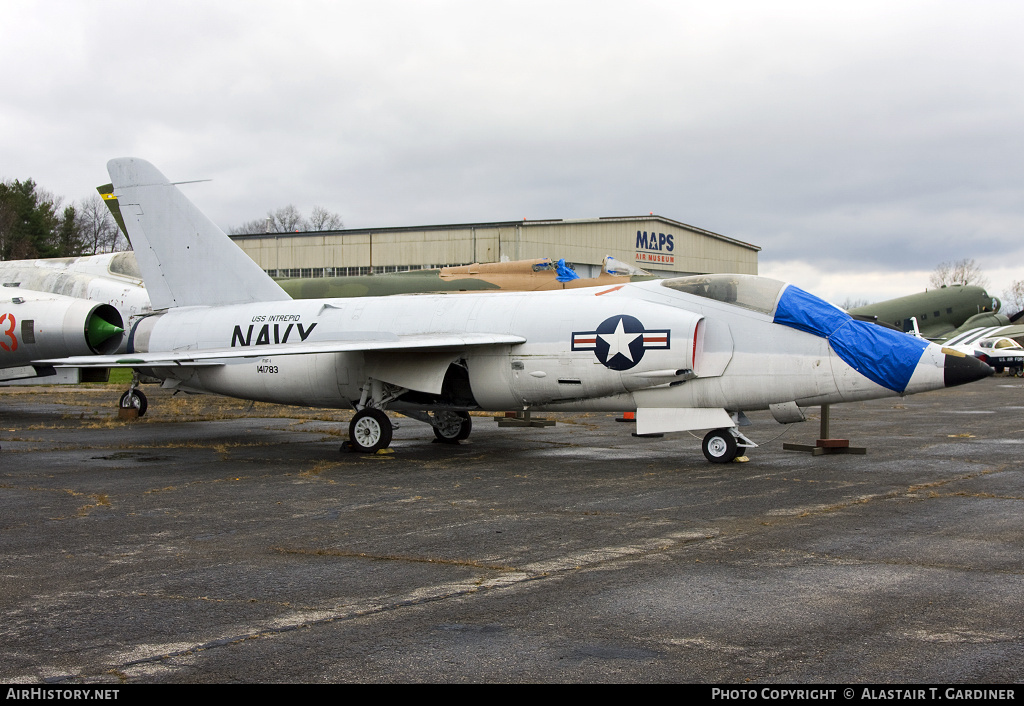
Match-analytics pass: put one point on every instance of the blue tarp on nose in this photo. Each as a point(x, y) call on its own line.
point(880, 354)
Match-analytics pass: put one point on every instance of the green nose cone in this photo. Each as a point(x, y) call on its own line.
point(98, 330)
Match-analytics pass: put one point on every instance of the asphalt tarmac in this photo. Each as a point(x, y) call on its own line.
point(212, 541)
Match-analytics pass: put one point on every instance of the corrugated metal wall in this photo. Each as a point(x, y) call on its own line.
point(653, 243)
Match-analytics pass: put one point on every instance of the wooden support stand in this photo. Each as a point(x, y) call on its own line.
point(521, 419)
point(826, 445)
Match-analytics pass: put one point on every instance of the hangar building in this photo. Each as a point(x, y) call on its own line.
point(659, 245)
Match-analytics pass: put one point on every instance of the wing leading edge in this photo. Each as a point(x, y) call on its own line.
point(222, 356)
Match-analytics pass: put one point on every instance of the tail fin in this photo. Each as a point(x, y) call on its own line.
point(110, 201)
point(185, 259)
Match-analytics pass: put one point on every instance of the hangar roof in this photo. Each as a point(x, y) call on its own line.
point(500, 224)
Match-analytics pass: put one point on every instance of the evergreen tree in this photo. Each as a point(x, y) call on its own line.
point(69, 236)
point(28, 222)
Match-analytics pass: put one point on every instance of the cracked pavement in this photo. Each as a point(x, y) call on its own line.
point(217, 541)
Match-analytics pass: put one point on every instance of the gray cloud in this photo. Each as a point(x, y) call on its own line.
point(869, 138)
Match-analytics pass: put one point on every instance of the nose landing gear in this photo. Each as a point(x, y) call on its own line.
point(720, 446)
point(723, 445)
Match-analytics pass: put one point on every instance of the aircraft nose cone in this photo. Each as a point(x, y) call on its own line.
point(962, 369)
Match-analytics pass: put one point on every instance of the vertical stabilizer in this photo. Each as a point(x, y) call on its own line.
point(185, 259)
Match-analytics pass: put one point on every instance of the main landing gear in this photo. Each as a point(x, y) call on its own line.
point(370, 431)
point(451, 427)
point(134, 398)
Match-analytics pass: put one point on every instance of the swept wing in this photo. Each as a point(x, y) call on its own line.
point(222, 356)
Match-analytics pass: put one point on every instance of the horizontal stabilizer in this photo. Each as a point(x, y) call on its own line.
point(21, 372)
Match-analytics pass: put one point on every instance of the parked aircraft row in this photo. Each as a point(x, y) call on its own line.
point(685, 353)
point(936, 312)
point(940, 315)
point(963, 318)
point(943, 314)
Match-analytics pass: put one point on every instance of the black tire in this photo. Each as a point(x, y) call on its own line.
point(369, 431)
point(720, 446)
point(133, 399)
point(453, 432)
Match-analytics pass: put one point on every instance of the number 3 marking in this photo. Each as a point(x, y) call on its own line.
point(9, 332)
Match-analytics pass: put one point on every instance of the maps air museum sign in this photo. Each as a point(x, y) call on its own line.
point(654, 248)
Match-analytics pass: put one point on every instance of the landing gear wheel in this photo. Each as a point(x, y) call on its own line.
point(452, 427)
point(133, 399)
point(720, 446)
point(369, 431)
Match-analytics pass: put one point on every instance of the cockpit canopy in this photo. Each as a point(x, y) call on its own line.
point(1000, 344)
point(123, 263)
point(747, 291)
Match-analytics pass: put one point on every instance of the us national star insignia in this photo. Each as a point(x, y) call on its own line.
point(619, 342)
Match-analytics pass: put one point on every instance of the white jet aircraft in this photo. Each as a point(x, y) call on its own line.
point(110, 278)
point(684, 354)
point(52, 285)
point(36, 325)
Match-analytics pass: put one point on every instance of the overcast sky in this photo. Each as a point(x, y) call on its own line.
point(858, 144)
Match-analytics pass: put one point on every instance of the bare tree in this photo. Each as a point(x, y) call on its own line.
point(322, 219)
point(964, 272)
point(1013, 297)
point(851, 303)
point(253, 227)
point(289, 219)
point(97, 229)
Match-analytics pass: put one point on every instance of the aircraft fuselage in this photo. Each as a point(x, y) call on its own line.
point(642, 345)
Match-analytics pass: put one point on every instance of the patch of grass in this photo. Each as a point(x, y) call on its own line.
point(120, 376)
point(320, 467)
